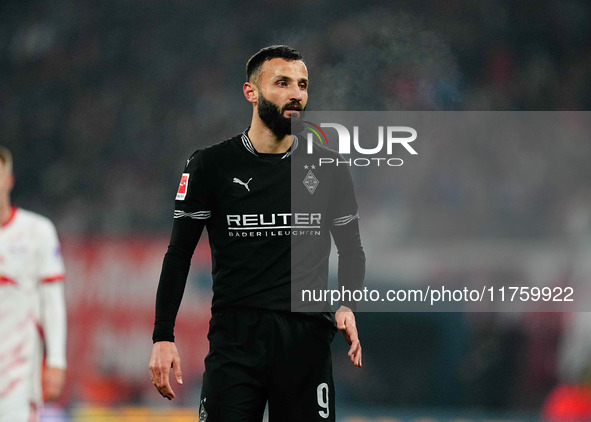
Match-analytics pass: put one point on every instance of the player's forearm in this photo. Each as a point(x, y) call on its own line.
point(173, 278)
point(53, 322)
point(351, 262)
point(351, 274)
point(168, 298)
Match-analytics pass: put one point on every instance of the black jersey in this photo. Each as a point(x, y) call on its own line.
point(269, 219)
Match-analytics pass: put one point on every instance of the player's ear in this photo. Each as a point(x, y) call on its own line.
point(250, 92)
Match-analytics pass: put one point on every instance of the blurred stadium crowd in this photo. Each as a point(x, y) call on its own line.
point(101, 103)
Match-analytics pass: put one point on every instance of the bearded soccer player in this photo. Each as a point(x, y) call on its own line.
point(32, 308)
point(243, 190)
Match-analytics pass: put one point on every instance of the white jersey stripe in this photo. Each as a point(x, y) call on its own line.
point(341, 221)
point(247, 144)
point(199, 215)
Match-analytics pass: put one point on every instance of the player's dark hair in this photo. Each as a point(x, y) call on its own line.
point(272, 52)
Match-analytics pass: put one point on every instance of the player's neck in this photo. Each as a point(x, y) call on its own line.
point(5, 211)
point(265, 141)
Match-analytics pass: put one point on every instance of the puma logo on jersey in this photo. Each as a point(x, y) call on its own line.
point(240, 182)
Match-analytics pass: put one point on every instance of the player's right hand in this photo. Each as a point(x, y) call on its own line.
point(53, 382)
point(165, 356)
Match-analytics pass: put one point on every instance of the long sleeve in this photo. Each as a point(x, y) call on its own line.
point(51, 295)
point(351, 262)
point(173, 277)
point(345, 232)
point(53, 321)
point(191, 212)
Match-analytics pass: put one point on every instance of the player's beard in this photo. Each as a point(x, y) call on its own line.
point(274, 119)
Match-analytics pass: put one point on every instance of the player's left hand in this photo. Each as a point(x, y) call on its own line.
point(53, 382)
point(346, 323)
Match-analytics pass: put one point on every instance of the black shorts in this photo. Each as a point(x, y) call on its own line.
point(257, 357)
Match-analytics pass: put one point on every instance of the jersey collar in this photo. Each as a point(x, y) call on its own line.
point(250, 147)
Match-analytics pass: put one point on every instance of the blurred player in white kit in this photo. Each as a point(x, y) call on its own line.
point(32, 308)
